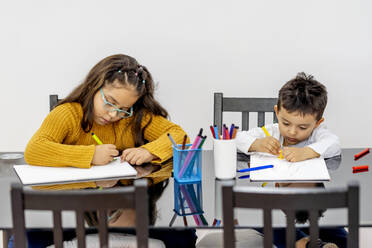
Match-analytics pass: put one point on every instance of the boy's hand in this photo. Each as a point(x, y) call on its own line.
point(267, 144)
point(296, 154)
point(104, 154)
point(137, 156)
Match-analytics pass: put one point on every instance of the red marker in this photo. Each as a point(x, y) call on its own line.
point(212, 131)
point(214, 222)
point(358, 171)
point(360, 168)
point(361, 154)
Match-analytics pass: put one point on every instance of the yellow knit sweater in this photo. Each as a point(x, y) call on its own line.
point(60, 141)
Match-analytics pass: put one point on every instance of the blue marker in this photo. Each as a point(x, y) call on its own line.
point(257, 168)
point(245, 176)
point(216, 132)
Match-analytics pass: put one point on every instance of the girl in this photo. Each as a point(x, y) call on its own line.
point(115, 102)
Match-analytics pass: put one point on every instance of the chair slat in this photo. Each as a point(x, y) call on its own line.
point(228, 215)
point(245, 121)
point(141, 207)
point(314, 228)
point(80, 230)
point(102, 225)
point(53, 100)
point(218, 109)
point(291, 229)
point(268, 230)
point(260, 119)
point(57, 229)
point(353, 215)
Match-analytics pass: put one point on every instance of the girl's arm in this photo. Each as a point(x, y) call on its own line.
point(46, 146)
point(159, 143)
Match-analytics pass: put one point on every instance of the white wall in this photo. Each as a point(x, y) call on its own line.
point(193, 48)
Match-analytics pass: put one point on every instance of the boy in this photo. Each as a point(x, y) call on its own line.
point(300, 130)
point(301, 134)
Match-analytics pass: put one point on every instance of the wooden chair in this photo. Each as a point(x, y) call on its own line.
point(290, 200)
point(53, 100)
point(80, 201)
point(244, 105)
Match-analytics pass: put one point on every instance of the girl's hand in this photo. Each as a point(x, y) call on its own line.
point(137, 156)
point(267, 144)
point(104, 154)
point(296, 154)
point(106, 183)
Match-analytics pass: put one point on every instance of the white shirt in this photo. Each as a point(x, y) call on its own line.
point(321, 140)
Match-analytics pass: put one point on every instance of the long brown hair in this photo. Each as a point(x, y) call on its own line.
point(125, 70)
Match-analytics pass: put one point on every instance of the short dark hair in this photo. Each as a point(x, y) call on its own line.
point(303, 94)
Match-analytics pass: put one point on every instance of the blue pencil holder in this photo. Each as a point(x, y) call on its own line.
point(188, 198)
point(187, 164)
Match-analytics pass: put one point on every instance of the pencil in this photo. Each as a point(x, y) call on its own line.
point(99, 142)
point(265, 131)
point(268, 135)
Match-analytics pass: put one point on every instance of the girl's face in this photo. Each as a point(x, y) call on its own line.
point(123, 97)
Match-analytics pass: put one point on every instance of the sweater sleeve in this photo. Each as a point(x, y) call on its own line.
point(159, 143)
point(46, 147)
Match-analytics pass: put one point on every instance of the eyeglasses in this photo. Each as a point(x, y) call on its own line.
point(111, 108)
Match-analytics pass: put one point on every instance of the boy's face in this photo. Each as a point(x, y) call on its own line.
point(295, 127)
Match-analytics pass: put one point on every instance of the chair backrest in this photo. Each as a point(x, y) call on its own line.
point(290, 200)
point(53, 100)
point(80, 201)
point(244, 105)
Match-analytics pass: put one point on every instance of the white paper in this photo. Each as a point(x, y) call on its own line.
point(309, 170)
point(45, 175)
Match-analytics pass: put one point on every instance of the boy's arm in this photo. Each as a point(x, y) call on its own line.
point(325, 143)
point(245, 139)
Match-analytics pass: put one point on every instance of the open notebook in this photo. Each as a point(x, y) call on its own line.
point(309, 170)
point(44, 175)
